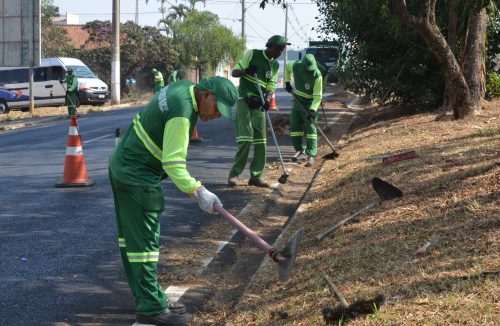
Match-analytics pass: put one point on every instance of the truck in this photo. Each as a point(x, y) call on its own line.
point(327, 54)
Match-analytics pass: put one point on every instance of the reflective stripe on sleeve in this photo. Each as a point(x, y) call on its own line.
point(121, 242)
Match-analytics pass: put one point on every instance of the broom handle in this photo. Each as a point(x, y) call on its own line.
point(340, 223)
point(315, 124)
point(243, 228)
point(339, 295)
point(270, 123)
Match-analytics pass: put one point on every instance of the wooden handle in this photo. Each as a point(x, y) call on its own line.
point(339, 295)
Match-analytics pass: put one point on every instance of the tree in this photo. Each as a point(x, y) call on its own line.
point(55, 40)
point(464, 85)
point(142, 48)
point(203, 40)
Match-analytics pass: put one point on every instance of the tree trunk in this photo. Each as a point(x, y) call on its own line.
point(474, 59)
point(452, 42)
point(425, 25)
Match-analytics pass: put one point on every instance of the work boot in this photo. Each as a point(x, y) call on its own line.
point(232, 180)
point(177, 307)
point(310, 161)
point(164, 318)
point(295, 158)
point(258, 183)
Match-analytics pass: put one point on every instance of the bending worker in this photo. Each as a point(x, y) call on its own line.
point(250, 115)
point(154, 147)
point(158, 79)
point(308, 92)
point(71, 92)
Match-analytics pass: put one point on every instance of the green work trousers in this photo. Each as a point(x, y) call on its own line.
point(298, 121)
point(250, 129)
point(158, 88)
point(137, 211)
point(71, 102)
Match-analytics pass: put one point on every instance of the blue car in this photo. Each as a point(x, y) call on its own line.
point(6, 96)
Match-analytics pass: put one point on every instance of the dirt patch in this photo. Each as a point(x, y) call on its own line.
point(433, 254)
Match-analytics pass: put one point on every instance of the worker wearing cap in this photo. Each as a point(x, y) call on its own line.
point(308, 92)
point(154, 147)
point(158, 79)
point(250, 115)
point(71, 92)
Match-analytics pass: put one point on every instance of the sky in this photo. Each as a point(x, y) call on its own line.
point(259, 24)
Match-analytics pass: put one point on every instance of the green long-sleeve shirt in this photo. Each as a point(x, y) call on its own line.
point(157, 140)
point(308, 84)
point(267, 72)
point(71, 83)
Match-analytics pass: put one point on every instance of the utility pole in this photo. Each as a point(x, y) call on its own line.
point(115, 59)
point(137, 12)
point(286, 38)
point(243, 20)
point(31, 25)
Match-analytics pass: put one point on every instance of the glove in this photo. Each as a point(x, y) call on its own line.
point(251, 70)
point(310, 115)
point(288, 87)
point(206, 199)
point(265, 107)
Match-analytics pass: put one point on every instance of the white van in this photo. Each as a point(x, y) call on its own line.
point(92, 90)
point(14, 87)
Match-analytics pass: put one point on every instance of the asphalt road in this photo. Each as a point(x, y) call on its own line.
point(60, 261)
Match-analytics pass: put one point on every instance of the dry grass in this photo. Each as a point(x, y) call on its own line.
point(451, 203)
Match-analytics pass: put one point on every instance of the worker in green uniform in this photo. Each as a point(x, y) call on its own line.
point(158, 79)
point(71, 92)
point(154, 147)
point(175, 76)
point(250, 115)
point(308, 92)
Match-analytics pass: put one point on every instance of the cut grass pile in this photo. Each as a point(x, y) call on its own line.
point(434, 254)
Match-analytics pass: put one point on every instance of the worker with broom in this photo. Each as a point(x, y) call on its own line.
point(158, 80)
point(250, 116)
point(71, 92)
point(154, 147)
point(308, 92)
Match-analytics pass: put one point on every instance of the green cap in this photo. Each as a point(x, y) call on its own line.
point(309, 62)
point(154, 70)
point(277, 39)
point(226, 93)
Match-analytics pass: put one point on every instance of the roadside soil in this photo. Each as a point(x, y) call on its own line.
point(433, 254)
point(222, 282)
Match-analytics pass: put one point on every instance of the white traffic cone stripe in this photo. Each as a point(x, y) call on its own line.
point(78, 150)
point(73, 131)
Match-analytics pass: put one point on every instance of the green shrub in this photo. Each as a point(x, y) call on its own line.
point(493, 84)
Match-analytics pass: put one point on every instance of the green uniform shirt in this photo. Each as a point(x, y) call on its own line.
point(267, 72)
point(71, 83)
point(159, 79)
point(157, 140)
point(308, 85)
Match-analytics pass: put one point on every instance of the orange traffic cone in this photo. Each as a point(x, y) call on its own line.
point(272, 103)
point(75, 172)
point(195, 138)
